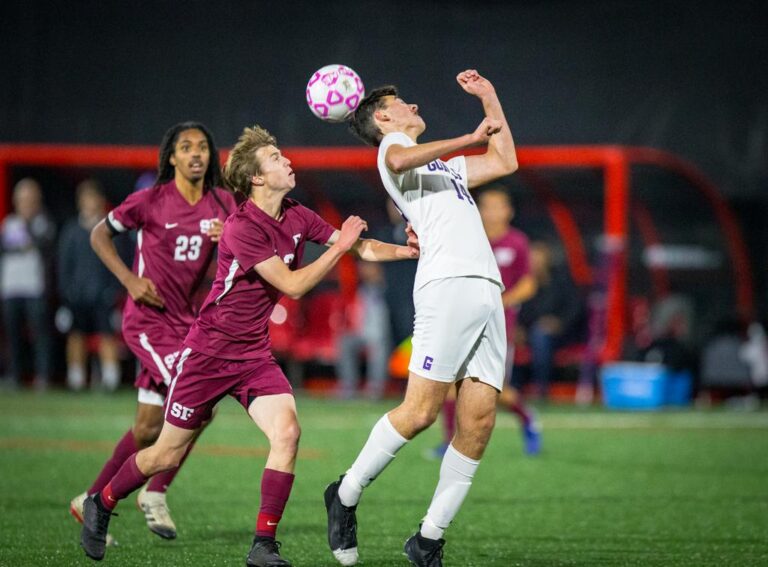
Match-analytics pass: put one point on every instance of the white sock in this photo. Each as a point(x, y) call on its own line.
point(75, 377)
point(456, 473)
point(110, 376)
point(381, 447)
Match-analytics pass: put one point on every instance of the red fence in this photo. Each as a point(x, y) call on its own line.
point(615, 162)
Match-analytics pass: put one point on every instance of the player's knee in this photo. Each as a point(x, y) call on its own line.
point(480, 428)
point(424, 417)
point(286, 439)
point(146, 433)
point(157, 459)
point(168, 460)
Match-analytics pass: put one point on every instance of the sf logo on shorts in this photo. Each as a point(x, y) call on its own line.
point(428, 360)
point(180, 411)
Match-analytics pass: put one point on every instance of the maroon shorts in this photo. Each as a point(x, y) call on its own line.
point(202, 380)
point(157, 349)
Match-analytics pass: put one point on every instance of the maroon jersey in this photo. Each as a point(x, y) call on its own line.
point(233, 320)
point(513, 258)
point(172, 249)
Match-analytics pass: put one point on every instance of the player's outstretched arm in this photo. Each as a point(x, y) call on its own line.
point(500, 159)
point(376, 251)
point(296, 283)
point(142, 290)
point(400, 158)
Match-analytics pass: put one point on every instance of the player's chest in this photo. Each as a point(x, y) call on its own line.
point(438, 177)
point(182, 235)
point(288, 245)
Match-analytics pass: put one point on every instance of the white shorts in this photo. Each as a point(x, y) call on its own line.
point(459, 331)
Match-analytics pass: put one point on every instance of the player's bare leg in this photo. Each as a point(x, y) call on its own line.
point(422, 403)
point(276, 416)
point(165, 454)
point(148, 423)
point(476, 416)
point(152, 498)
point(419, 410)
point(511, 399)
point(448, 414)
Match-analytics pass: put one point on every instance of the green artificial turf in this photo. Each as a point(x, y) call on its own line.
point(644, 489)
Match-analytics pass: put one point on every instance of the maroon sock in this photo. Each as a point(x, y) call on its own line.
point(275, 490)
point(161, 481)
point(127, 479)
point(124, 449)
point(522, 412)
point(449, 420)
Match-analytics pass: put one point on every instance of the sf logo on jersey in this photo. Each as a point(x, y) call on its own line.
point(205, 225)
point(288, 258)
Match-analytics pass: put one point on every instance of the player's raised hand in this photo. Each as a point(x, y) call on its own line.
point(216, 230)
point(350, 232)
point(487, 128)
point(143, 290)
point(475, 84)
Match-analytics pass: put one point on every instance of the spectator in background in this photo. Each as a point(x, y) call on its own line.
point(88, 291)
point(26, 238)
point(545, 320)
point(367, 330)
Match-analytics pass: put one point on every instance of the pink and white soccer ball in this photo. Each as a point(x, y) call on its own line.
point(333, 92)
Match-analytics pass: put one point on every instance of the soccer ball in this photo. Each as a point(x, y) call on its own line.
point(333, 92)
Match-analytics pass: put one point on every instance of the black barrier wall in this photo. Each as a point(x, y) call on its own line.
point(689, 77)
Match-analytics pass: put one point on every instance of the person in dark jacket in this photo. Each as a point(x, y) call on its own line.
point(548, 317)
point(88, 292)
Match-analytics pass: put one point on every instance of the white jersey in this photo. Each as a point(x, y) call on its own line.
point(434, 198)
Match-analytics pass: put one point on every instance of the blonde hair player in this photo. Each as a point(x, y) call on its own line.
point(459, 331)
point(227, 350)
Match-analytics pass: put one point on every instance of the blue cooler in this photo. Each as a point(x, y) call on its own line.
point(679, 388)
point(642, 385)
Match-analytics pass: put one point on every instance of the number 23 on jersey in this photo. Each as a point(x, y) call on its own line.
point(188, 247)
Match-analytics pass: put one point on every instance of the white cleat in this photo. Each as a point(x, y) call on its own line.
point(76, 509)
point(156, 512)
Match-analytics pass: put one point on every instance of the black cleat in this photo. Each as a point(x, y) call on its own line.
point(93, 537)
point(342, 526)
point(265, 552)
point(424, 552)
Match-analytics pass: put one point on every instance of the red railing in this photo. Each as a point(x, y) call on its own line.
point(614, 161)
